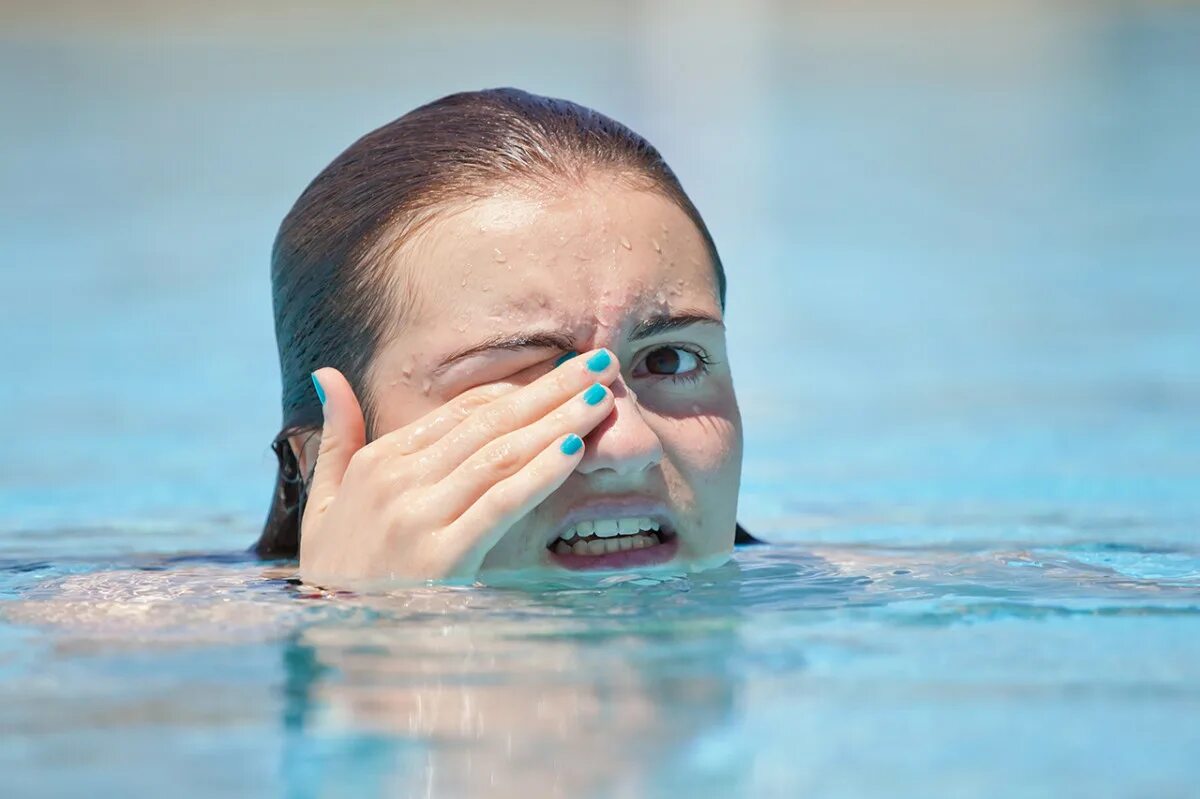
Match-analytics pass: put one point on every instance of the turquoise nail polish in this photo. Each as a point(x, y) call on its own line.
point(600, 361)
point(571, 444)
point(566, 356)
point(594, 394)
point(317, 386)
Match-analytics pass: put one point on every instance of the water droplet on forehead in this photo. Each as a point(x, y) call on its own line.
point(426, 384)
point(625, 243)
point(657, 246)
point(499, 256)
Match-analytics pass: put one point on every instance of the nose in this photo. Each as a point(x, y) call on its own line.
point(623, 443)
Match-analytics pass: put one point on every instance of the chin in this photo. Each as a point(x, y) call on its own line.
point(711, 561)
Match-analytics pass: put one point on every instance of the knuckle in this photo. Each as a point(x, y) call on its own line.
point(328, 443)
point(411, 440)
point(502, 457)
point(563, 382)
point(498, 416)
point(363, 461)
point(470, 403)
point(482, 395)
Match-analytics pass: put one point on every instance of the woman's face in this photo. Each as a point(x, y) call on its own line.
point(600, 265)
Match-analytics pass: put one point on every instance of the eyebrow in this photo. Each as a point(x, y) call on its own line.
point(514, 342)
point(666, 322)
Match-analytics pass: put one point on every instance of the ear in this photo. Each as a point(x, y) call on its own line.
point(305, 447)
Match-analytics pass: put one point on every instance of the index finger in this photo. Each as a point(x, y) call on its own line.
point(432, 426)
point(428, 429)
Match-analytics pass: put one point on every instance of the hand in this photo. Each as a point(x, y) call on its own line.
point(430, 500)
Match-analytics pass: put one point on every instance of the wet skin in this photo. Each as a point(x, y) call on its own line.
point(491, 293)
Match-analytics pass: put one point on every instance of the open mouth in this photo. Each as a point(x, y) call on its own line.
point(614, 544)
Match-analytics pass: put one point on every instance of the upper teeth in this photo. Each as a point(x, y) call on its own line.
point(608, 528)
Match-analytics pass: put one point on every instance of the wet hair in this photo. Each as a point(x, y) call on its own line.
point(337, 300)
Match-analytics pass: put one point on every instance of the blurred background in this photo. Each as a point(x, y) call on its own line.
point(963, 242)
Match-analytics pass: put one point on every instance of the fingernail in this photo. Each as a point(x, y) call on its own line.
point(600, 361)
point(594, 394)
point(566, 356)
point(317, 386)
point(571, 444)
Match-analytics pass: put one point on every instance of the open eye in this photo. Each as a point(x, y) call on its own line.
point(680, 363)
point(670, 361)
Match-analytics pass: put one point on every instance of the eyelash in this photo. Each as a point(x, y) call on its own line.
point(702, 359)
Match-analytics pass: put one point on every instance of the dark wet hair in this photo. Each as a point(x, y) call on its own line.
point(335, 297)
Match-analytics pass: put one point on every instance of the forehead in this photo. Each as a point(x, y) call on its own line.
point(589, 258)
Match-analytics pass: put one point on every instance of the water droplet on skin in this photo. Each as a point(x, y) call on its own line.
point(407, 369)
point(657, 246)
point(500, 258)
point(625, 243)
point(426, 384)
point(463, 282)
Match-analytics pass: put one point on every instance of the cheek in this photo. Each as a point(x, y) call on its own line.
point(400, 399)
point(706, 442)
point(391, 411)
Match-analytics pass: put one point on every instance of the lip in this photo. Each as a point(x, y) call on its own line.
point(617, 508)
point(628, 559)
point(614, 508)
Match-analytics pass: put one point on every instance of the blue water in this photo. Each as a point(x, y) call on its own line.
point(963, 248)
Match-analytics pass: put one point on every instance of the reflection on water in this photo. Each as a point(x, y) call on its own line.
point(710, 684)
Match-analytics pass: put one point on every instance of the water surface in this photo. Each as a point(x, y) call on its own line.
point(963, 249)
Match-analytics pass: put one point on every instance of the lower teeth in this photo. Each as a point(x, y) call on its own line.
point(605, 546)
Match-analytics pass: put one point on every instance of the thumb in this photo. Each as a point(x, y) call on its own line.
point(342, 435)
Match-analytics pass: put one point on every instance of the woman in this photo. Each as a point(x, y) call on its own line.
point(432, 288)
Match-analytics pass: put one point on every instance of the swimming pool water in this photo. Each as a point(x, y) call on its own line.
point(834, 671)
point(964, 257)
